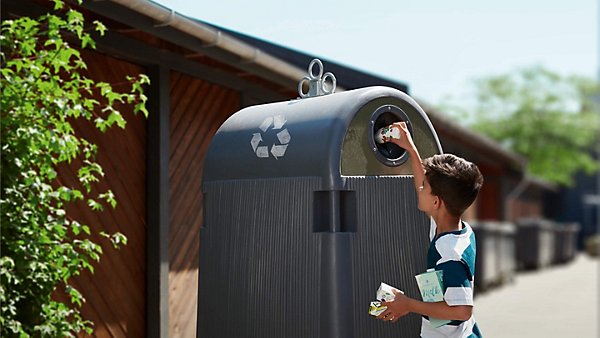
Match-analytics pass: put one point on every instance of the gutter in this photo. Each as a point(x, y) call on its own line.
point(214, 38)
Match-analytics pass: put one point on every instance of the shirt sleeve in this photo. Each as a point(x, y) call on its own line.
point(458, 287)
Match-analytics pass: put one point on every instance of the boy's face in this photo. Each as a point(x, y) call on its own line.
point(427, 201)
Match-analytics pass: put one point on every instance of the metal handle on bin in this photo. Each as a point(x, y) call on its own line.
point(317, 84)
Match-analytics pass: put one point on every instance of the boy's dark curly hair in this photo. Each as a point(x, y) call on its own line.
point(454, 180)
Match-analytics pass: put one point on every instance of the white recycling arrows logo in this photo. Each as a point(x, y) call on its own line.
point(283, 137)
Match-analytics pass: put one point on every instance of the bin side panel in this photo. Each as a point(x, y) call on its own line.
point(259, 260)
point(390, 245)
point(528, 246)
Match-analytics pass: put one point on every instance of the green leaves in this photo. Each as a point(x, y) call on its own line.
point(117, 239)
point(548, 118)
point(89, 173)
point(42, 93)
point(100, 28)
point(109, 198)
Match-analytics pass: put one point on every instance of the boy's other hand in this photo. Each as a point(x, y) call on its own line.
point(397, 308)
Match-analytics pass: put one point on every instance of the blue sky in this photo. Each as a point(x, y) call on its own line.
point(435, 46)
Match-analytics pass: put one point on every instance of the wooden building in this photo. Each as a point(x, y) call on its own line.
point(200, 75)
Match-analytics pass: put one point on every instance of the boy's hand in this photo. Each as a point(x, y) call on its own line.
point(397, 308)
point(405, 141)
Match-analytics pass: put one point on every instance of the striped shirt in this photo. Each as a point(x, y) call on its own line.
point(454, 254)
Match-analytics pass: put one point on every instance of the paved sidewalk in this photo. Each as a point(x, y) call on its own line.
point(557, 302)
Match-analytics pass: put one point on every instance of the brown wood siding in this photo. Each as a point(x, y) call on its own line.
point(115, 299)
point(526, 209)
point(198, 108)
point(490, 200)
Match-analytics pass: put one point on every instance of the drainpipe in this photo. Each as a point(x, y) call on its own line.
point(213, 37)
point(513, 195)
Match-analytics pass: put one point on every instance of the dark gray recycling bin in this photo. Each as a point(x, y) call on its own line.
point(507, 252)
point(487, 259)
point(305, 216)
point(565, 242)
point(535, 243)
point(496, 253)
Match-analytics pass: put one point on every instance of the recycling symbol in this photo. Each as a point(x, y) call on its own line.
point(269, 125)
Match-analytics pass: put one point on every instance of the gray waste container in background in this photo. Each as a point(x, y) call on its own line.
point(496, 253)
point(305, 216)
point(507, 264)
point(565, 242)
point(487, 259)
point(535, 243)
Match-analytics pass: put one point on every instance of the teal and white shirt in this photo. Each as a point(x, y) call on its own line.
point(454, 254)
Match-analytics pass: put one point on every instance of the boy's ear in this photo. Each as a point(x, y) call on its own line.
point(438, 202)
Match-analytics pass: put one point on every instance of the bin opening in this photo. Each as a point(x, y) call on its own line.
point(388, 153)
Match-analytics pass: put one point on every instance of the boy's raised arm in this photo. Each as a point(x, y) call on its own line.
point(406, 142)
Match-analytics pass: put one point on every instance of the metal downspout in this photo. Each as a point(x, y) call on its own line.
point(513, 195)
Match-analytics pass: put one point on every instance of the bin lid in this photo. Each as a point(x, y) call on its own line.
point(322, 136)
point(540, 223)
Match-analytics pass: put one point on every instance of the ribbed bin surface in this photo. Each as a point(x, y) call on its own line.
point(390, 246)
point(264, 280)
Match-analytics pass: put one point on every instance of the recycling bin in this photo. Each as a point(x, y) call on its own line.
point(560, 245)
point(535, 243)
point(305, 215)
point(565, 242)
point(487, 259)
point(572, 234)
point(506, 251)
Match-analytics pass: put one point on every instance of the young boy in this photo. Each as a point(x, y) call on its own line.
point(446, 186)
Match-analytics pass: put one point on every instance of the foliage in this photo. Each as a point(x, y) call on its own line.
point(550, 119)
point(42, 93)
